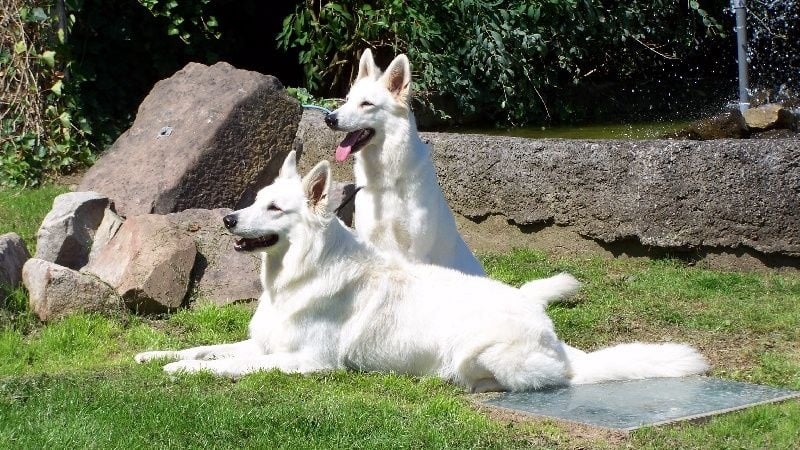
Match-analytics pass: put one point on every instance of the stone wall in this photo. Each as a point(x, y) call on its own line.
point(730, 203)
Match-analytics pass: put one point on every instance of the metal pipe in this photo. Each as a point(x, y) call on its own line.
point(740, 9)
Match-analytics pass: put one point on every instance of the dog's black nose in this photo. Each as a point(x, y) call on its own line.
point(331, 120)
point(229, 221)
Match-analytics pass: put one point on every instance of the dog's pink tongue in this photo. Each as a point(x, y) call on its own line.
point(344, 149)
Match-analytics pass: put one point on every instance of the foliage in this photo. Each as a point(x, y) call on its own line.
point(306, 98)
point(187, 20)
point(42, 130)
point(510, 58)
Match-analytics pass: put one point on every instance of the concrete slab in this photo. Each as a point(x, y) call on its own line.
point(628, 405)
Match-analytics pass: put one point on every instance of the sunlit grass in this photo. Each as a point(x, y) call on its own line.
point(22, 210)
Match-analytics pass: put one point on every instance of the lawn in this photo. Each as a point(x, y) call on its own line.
point(73, 383)
point(22, 210)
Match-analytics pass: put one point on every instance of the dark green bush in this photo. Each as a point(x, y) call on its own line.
point(65, 96)
point(510, 60)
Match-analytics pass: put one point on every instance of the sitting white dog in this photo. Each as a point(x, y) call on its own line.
point(401, 208)
point(331, 301)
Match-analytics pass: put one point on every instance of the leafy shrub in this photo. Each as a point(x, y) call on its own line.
point(509, 59)
point(305, 98)
point(41, 129)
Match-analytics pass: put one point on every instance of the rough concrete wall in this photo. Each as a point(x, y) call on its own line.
point(735, 197)
point(723, 193)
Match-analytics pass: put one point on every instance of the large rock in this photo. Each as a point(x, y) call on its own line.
point(207, 137)
point(55, 291)
point(769, 116)
point(220, 275)
point(148, 262)
point(727, 195)
point(67, 231)
point(13, 255)
point(342, 197)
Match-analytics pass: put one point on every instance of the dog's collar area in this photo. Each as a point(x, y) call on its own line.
point(347, 200)
point(245, 244)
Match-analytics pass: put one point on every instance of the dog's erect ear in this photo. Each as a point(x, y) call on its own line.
point(367, 66)
point(397, 78)
point(316, 186)
point(289, 167)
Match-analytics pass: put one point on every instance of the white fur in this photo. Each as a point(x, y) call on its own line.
point(332, 301)
point(551, 289)
point(400, 207)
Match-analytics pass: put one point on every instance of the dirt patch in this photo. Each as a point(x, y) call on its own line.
point(495, 234)
point(70, 180)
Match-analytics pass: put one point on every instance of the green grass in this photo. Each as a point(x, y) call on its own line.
point(22, 210)
point(73, 383)
point(139, 407)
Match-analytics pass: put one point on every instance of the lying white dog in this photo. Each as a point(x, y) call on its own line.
point(331, 301)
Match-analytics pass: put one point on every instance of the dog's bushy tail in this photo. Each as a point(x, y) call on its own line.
point(635, 361)
point(551, 289)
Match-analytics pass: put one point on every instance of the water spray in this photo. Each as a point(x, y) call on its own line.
point(740, 9)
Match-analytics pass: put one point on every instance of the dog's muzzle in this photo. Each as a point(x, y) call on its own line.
point(230, 221)
point(331, 120)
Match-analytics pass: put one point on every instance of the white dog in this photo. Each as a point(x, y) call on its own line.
point(400, 206)
point(332, 301)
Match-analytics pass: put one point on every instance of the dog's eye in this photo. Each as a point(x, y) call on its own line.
point(366, 103)
point(273, 207)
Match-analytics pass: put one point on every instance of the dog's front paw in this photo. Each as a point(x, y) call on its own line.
point(149, 356)
point(187, 366)
point(222, 368)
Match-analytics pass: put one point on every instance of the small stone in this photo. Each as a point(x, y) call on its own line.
point(13, 255)
point(67, 231)
point(769, 116)
point(725, 125)
point(105, 232)
point(56, 291)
